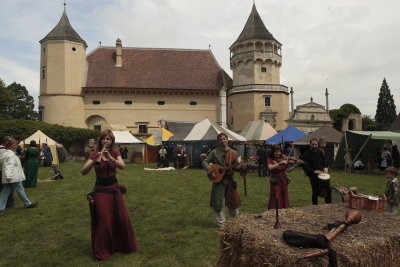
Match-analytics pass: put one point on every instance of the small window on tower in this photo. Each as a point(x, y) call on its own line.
point(73, 49)
point(161, 103)
point(193, 103)
point(96, 102)
point(263, 69)
point(267, 101)
point(43, 72)
point(97, 127)
point(128, 102)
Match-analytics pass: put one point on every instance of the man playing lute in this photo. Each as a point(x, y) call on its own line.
point(225, 191)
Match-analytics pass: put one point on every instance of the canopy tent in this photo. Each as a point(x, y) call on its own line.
point(40, 138)
point(258, 131)
point(152, 143)
point(199, 138)
point(180, 129)
point(125, 137)
point(364, 144)
point(158, 136)
point(330, 134)
point(207, 130)
point(290, 134)
point(134, 147)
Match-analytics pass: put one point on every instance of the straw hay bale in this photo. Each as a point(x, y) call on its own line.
point(250, 241)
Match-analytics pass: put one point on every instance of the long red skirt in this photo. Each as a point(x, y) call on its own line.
point(113, 231)
point(279, 190)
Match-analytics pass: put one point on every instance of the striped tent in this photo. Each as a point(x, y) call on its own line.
point(257, 131)
point(207, 130)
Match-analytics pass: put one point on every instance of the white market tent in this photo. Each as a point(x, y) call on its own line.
point(40, 138)
point(258, 131)
point(125, 137)
point(207, 130)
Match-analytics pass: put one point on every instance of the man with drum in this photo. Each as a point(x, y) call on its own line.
point(314, 165)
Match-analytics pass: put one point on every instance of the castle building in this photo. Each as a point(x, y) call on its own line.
point(124, 88)
point(310, 116)
point(137, 89)
point(256, 94)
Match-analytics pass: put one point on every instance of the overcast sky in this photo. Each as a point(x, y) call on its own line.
point(345, 46)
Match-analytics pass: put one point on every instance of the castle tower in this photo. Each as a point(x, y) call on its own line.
point(62, 75)
point(257, 93)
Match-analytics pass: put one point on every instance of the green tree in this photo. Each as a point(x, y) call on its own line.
point(22, 105)
point(67, 136)
point(386, 109)
point(6, 98)
point(369, 124)
point(343, 112)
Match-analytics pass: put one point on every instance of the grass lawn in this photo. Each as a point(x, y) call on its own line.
point(170, 212)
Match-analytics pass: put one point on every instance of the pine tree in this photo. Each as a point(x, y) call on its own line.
point(386, 109)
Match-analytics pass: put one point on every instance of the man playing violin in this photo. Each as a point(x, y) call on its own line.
point(225, 191)
point(314, 165)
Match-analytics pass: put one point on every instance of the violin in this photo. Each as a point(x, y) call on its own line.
point(289, 161)
point(292, 161)
point(281, 160)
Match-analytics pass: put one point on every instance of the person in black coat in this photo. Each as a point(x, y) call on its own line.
point(395, 156)
point(314, 164)
point(262, 161)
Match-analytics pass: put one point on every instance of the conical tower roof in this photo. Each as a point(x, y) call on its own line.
point(64, 31)
point(254, 28)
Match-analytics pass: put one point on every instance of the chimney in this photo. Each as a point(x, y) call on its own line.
point(326, 96)
point(291, 101)
point(118, 53)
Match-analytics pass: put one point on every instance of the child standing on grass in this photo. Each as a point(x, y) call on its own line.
point(392, 190)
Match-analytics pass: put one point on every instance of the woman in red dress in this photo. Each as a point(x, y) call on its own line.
point(278, 166)
point(111, 227)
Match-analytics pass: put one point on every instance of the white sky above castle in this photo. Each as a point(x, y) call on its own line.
point(345, 46)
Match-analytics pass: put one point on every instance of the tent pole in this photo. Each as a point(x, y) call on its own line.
point(191, 156)
point(347, 149)
point(362, 147)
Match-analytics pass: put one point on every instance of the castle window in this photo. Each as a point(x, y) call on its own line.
point(161, 103)
point(97, 127)
point(128, 102)
point(263, 69)
point(73, 49)
point(43, 72)
point(231, 104)
point(96, 102)
point(312, 117)
point(143, 128)
point(193, 103)
point(267, 101)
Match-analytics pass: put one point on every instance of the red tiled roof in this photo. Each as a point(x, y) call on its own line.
point(146, 68)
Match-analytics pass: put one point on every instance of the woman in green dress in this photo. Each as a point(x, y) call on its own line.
point(31, 165)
